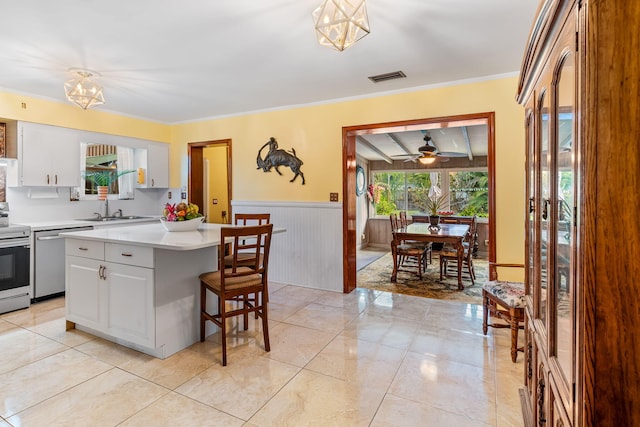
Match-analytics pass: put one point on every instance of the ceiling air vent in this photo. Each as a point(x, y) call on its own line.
point(387, 76)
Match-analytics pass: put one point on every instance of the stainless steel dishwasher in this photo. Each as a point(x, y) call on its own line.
point(48, 263)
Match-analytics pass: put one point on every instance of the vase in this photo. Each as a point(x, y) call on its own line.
point(434, 220)
point(103, 190)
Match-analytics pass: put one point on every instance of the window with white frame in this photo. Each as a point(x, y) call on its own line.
point(394, 191)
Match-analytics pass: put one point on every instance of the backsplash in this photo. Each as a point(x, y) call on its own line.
point(29, 205)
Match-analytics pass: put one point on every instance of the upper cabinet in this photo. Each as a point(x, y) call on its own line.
point(153, 164)
point(52, 156)
point(48, 156)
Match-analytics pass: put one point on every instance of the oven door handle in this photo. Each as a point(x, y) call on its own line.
point(9, 243)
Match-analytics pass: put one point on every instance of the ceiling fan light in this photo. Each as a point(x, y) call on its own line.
point(341, 23)
point(83, 91)
point(427, 160)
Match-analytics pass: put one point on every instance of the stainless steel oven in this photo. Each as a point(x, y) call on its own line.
point(14, 268)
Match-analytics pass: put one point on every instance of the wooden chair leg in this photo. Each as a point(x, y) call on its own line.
point(514, 335)
point(471, 275)
point(245, 315)
point(265, 326)
point(485, 314)
point(203, 309)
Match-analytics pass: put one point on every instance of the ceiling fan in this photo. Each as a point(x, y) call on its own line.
point(427, 153)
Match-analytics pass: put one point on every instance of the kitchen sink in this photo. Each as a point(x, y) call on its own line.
point(113, 218)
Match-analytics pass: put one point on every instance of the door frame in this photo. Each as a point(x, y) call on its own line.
point(349, 134)
point(196, 171)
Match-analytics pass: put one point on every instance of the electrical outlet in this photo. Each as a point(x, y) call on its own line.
point(214, 201)
point(333, 197)
point(486, 243)
point(183, 195)
point(169, 195)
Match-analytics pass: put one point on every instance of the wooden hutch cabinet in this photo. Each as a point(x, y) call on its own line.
point(580, 85)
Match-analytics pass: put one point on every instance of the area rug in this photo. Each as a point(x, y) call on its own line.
point(377, 276)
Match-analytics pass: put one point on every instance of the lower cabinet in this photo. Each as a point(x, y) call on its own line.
point(113, 298)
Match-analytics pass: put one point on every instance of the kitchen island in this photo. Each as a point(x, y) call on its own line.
point(138, 286)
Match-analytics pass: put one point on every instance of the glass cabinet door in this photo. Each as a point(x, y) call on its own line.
point(545, 207)
point(563, 285)
point(531, 197)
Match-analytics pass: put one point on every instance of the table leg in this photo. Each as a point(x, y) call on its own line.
point(394, 247)
point(460, 250)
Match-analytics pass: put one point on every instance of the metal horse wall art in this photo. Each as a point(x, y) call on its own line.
point(277, 157)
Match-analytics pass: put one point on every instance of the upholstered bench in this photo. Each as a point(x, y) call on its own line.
point(504, 300)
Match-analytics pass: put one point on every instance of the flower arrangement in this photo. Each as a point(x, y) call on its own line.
point(180, 212)
point(446, 213)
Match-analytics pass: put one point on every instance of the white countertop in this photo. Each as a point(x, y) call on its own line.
point(72, 223)
point(155, 236)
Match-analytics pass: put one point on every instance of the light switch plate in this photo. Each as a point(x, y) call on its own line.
point(333, 197)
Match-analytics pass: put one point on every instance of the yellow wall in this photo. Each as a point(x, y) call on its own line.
point(316, 134)
point(71, 116)
point(217, 157)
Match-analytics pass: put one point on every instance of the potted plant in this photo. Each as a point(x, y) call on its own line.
point(434, 204)
point(103, 179)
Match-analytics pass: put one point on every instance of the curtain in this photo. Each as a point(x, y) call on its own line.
point(126, 181)
point(83, 169)
point(434, 190)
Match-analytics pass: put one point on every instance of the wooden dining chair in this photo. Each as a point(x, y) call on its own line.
point(244, 252)
point(504, 300)
point(407, 250)
point(449, 255)
point(245, 285)
point(245, 219)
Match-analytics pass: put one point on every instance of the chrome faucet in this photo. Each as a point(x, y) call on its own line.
point(106, 208)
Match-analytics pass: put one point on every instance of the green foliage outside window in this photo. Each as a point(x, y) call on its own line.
point(468, 192)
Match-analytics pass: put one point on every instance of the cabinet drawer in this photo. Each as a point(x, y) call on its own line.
point(85, 248)
point(128, 254)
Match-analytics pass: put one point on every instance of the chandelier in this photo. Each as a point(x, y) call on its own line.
point(341, 23)
point(83, 91)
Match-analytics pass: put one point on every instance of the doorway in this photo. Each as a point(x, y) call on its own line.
point(349, 135)
point(210, 185)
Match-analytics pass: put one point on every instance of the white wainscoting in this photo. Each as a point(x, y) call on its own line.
point(309, 253)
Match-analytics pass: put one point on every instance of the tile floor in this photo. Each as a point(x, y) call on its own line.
point(364, 359)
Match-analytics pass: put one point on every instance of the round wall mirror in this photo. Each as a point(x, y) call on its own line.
point(361, 181)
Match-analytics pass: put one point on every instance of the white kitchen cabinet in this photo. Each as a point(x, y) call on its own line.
point(115, 298)
point(48, 156)
point(83, 281)
point(154, 160)
point(129, 311)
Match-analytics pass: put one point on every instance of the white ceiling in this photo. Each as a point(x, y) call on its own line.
point(177, 61)
point(462, 141)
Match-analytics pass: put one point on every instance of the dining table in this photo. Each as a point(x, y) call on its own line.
point(424, 232)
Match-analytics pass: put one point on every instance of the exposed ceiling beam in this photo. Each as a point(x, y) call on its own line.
point(467, 141)
point(372, 147)
point(399, 143)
